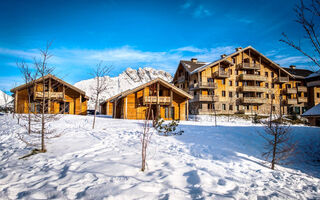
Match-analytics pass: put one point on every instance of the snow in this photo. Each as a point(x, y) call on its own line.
point(314, 111)
point(128, 79)
point(206, 162)
point(4, 97)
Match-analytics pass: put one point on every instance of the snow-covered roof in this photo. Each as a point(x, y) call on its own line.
point(314, 111)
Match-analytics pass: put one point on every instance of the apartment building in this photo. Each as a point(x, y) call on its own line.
point(243, 82)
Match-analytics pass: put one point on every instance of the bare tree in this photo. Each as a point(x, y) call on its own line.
point(278, 142)
point(308, 16)
point(146, 134)
point(99, 73)
point(29, 77)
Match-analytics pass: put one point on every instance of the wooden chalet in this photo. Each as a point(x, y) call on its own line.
point(60, 97)
point(166, 100)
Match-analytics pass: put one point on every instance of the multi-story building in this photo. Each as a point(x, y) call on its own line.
point(243, 82)
point(313, 83)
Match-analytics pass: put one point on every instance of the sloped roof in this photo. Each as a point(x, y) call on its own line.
point(190, 66)
point(46, 77)
point(314, 111)
point(315, 74)
point(303, 73)
point(127, 92)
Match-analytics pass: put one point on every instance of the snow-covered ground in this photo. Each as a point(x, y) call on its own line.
point(206, 162)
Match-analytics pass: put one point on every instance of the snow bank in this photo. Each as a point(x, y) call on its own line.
point(206, 162)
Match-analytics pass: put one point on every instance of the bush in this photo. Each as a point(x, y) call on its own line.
point(167, 129)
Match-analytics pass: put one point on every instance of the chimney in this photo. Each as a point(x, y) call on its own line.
point(194, 60)
point(292, 67)
point(223, 55)
point(238, 48)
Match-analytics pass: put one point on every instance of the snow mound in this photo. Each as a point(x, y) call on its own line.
point(206, 162)
point(4, 98)
point(128, 79)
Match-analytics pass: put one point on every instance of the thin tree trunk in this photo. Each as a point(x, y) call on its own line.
point(274, 152)
point(95, 111)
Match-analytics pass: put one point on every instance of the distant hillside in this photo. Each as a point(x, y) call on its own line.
point(128, 79)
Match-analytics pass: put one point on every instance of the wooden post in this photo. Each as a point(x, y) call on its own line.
point(158, 90)
point(16, 101)
point(49, 97)
point(80, 99)
point(171, 97)
point(126, 107)
point(107, 108)
point(64, 99)
point(187, 108)
point(34, 91)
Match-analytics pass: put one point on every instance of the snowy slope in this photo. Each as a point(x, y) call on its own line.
point(206, 162)
point(4, 97)
point(128, 79)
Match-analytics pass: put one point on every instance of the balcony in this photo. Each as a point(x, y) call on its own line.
point(302, 89)
point(203, 85)
point(249, 66)
point(253, 100)
point(181, 79)
point(252, 77)
point(253, 89)
point(290, 90)
point(221, 74)
point(281, 79)
point(53, 95)
point(291, 101)
point(154, 100)
point(302, 99)
point(209, 98)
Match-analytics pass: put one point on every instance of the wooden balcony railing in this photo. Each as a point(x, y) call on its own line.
point(291, 101)
point(181, 79)
point(204, 85)
point(302, 99)
point(302, 89)
point(210, 98)
point(221, 74)
point(281, 79)
point(253, 100)
point(253, 89)
point(290, 90)
point(249, 66)
point(252, 77)
point(53, 95)
point(154, 100)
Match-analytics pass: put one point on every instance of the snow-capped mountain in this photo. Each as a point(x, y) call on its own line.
point(4, 98)
point(128, 79)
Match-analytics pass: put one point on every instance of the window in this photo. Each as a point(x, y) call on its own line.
point(272, 74)
point(211, 106)
point(237, 83)
point(210, 80)
point(299, 94)
point(273, 108)
point(318, 95)
point(267, 85)
point(237, 107)
point(237, 94)
point(223, 82)
point(38, 108)
point(230, 71)
point(234, 60)
point(230, 94)
point(258, 73)
point(223, 106)
point(266, 74)
point(172, 112)
point(237, 72)
point(230, 83)
point(272, 85)
point(272, 96)
point(166, 112)
point(161, 92)
point(288, 86)
point(194, 81)
point(257, 107)
point(223, 93)
point(248, 107)
point(267, 96)
point(230, 107)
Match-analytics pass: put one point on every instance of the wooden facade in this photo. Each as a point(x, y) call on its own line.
point(243, 82)
point(166, 100)
point(60, 97)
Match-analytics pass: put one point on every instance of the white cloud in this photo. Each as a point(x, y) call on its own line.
point(201, 12)
point(289, 60)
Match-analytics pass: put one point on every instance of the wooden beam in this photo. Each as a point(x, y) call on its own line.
point(126, 107)
point(49, 97)
point(80, 99)
point(16, 101)
point(107, 108)
point(158, 90)
point(171, 97)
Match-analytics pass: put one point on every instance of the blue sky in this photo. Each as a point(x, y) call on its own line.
point(137, 34)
